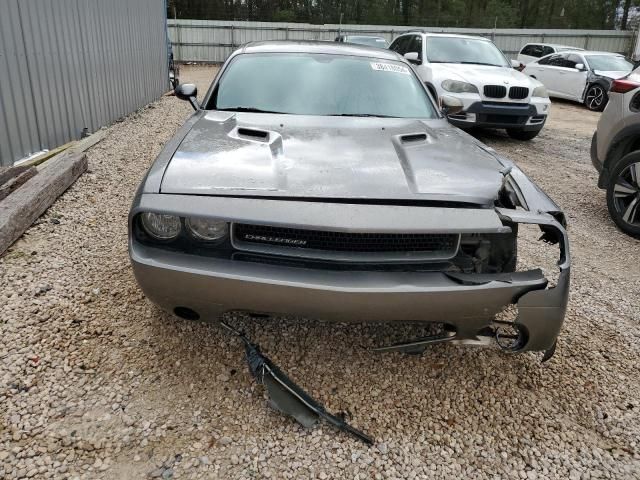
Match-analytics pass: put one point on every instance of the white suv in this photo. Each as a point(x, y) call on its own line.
point(476, 72)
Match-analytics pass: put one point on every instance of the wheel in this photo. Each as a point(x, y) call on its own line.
point(623, 194)
point(596, 98)
point(522, 134)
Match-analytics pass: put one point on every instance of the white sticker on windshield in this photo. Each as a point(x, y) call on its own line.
point(390, 67)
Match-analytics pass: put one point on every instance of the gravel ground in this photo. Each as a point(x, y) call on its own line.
point(95, 382)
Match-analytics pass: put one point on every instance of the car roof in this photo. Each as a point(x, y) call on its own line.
point(454, 35)
point(554, 45)
point(315, 46)
point(586, 53)
point(590, 52)
point(362, 36)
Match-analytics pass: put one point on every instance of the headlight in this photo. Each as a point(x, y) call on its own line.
point(540, 91)
point(456, 86)
point(207, 230)
point(161, 226)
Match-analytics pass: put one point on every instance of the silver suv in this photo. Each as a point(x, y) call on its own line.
point(615, 152)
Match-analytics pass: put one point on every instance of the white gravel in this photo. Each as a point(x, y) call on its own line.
point(95, 382)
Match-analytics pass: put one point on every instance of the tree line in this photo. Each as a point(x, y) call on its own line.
point(577, 14)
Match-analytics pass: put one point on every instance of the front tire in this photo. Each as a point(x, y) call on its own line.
point(596, 98)
point(623, 194)
point(522, 134)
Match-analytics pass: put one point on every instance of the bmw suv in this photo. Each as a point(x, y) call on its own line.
point(475, 71)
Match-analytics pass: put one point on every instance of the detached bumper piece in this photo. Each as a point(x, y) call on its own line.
point(287, 397)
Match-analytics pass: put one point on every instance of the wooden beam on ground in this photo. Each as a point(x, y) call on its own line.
point(75, 146)
point(43, 157)
point(23, 207)
point(14, 182)
point(88, 142)
point(7, 173)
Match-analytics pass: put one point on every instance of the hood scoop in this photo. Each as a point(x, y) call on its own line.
point(250, 134)
point(413, 138)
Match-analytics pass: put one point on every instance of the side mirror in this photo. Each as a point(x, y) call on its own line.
point(517, 65)
point(451, 105)
point(189, 92)
point(413, 57)
point(580, 66)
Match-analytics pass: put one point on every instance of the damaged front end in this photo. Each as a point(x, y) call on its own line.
point(539, 311)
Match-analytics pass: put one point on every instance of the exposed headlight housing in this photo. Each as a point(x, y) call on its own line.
point(540, 91)
point(456, 86)
point(161, 226)
point(207, 230)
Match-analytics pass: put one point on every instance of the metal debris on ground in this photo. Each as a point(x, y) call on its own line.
point(287, 397)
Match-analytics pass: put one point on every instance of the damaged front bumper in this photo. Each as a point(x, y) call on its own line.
point(465, 303)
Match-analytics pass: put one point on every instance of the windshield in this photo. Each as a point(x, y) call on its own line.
point(609, 63)
point(321, 84)
point(371, 41)
point(464, 50)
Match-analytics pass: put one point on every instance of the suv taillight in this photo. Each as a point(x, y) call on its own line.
point(623, 86)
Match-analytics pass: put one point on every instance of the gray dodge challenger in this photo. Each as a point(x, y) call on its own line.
point(321, 180)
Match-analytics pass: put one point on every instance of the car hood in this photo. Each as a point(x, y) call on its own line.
point(246, 154)
point(613, 74)
point(482, 74)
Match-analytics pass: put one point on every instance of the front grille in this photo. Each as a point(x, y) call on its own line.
point(345, 246)
point(518, 93)
point(495, 91)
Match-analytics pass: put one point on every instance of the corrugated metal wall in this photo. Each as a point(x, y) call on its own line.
point(73, 64)
point(213, 40)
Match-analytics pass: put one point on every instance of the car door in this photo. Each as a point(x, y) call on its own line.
point(573, 80)
point(538, 69)
point(550, 71)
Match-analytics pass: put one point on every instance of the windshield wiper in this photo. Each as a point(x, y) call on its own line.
point(482, 63)
point(246, 109)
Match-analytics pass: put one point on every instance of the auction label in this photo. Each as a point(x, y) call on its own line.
point(390, 67)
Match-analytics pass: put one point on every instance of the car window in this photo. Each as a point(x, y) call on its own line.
point(464, 50)
point(528, 50)
point(415, 45)
point(611, 63)
point(573, 60)
point(546, 50)
point(561, 60)
point(570, 61)
point(533, 50)
point(545, 60)
point(321, 84)
point(400, 44)
point(556, 60)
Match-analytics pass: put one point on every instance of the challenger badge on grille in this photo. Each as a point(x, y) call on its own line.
point(283, 241)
